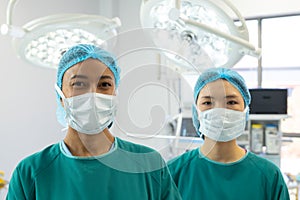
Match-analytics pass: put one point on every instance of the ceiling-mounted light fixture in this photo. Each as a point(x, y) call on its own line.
point(43, 40)
point(200, 33)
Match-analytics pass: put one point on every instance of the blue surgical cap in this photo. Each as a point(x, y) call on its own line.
point(81, 52)
point(214, 74)
point(77, 54)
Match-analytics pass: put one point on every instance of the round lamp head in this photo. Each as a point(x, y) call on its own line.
point(202, 48)
point(46, 38)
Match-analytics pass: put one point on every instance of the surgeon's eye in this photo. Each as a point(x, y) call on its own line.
point(207, 103)
point(105, 85)
point(232, 102)
point(79, 84)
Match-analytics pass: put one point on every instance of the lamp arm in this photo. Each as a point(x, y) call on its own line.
point(237, 12)
point(9, 11)
point(8, 28)
point(251, 50)
point(177, 4)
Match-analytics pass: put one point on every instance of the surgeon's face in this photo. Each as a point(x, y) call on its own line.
point(89, 76)
point(220, 94)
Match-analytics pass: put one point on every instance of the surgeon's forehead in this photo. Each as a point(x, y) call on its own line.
point(91, 67)
point(219, 87)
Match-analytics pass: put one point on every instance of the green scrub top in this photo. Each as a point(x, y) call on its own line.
point(250, 178)
point(129, 171)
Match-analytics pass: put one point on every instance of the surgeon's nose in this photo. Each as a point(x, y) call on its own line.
point(92, 88)
point(219, 104)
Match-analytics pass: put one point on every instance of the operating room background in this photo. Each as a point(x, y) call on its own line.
point(27, 103)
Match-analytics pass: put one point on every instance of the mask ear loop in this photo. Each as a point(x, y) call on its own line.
point(58, 90)
point(247, 110)
point(61, 94)
point(64, 130)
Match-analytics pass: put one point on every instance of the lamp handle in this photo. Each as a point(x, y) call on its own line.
point(248, 48)
point(251, 50)
point(229, 4)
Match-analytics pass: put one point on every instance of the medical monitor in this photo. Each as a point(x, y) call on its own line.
point(268, 101)
point(187, 128)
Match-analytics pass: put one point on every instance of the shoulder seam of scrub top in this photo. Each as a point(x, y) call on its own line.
point(187, 158)
point(66, 152)
point(40, 169)
point(221, 163)
point(254, 163)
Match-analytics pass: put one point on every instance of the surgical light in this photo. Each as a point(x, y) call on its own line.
point(198, 33)
point(42, 41)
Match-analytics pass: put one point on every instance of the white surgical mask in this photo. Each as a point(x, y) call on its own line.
point(222, 124)
point(89, 113)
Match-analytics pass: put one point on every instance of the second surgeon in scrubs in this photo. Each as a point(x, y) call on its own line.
point(220, 168)
point(90, 163)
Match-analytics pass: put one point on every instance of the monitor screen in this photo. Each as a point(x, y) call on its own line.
point(268, 101)
point(187, 128)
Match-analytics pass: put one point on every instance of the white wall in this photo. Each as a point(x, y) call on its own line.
point(253, 8)
point(27, 103)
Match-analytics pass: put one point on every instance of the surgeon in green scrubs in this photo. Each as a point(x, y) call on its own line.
point(90, 163)
point(220, 168)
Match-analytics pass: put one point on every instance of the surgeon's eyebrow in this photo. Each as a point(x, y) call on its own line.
point(79, 76)
point(86, 77)
point(105, 77)
point(206, 97)
point(232, 96)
